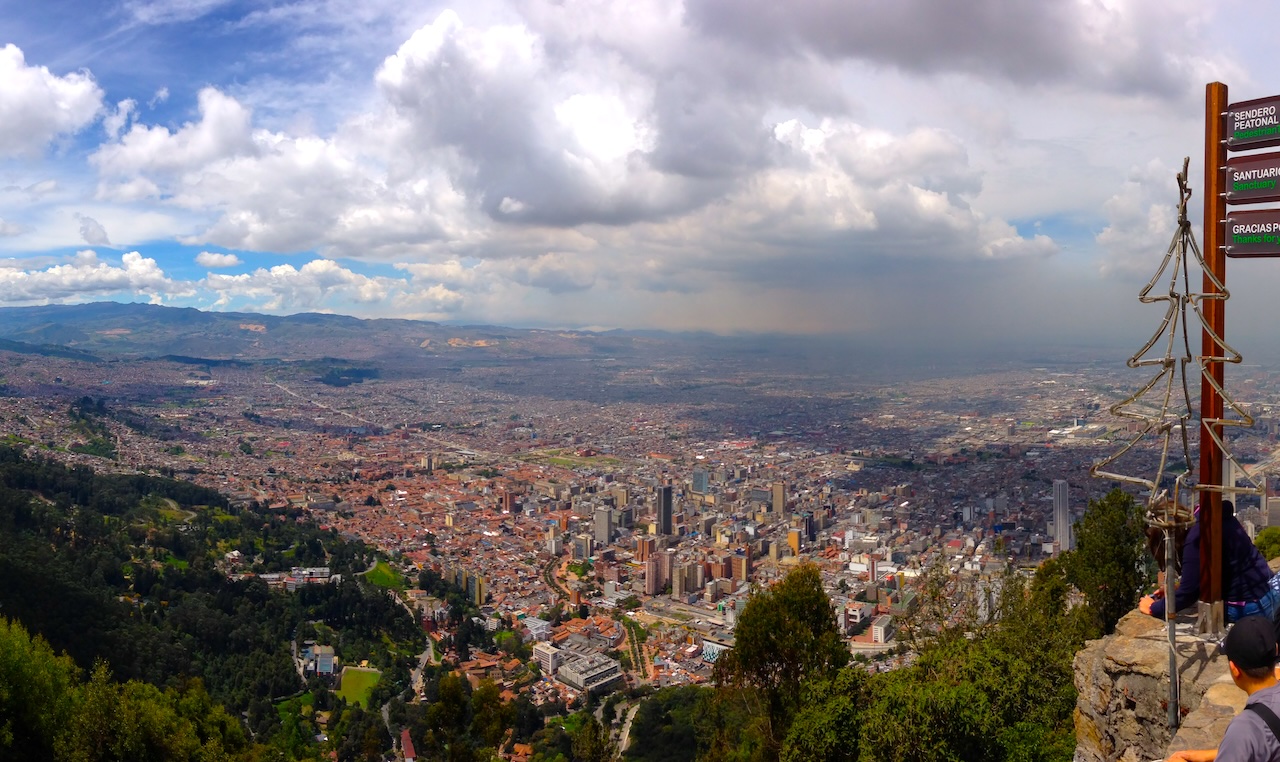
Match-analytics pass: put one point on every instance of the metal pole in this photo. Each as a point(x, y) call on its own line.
point(1215, 259)
point(1170, 559)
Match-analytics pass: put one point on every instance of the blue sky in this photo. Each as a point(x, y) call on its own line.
point(924, 171)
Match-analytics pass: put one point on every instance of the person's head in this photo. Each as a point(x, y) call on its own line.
point(1167, 511)
point(1155, 545)
point(1250, 647)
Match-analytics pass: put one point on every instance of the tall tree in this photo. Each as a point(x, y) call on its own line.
point(591, 742)
point(784, 636)
point(35, 694)
point(1107, 564)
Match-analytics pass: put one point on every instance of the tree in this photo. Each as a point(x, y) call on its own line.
point(489, 716)
point(1268, 542)
point(785, 635)
point(35, 694)
point(591, 742)
point(1107, 564)
point(910, 720)
point(667, 723)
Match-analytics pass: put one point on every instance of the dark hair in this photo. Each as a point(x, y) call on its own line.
point(1257, 673)
point(1155, 544)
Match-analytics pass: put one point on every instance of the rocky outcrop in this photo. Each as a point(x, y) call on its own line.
point(1123, 689)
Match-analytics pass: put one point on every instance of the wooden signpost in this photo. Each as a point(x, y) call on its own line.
point(1248, 179)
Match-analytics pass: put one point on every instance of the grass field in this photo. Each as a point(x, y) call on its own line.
point(566, 459)
point(383, 575)
point(357, 684)
point(299, 705)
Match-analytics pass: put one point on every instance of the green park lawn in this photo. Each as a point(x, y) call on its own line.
point(357, 684)
point(383, 575)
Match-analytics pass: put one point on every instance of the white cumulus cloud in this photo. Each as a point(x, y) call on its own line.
point(312, 286)
point(86, 276)
point(213, 259)
point(36, 105)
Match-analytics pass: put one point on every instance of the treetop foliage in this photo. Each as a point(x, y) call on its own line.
point(996, 690)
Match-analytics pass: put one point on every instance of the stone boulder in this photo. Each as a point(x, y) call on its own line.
point(1122, 683)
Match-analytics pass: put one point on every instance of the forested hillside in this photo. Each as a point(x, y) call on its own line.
point(122, 574)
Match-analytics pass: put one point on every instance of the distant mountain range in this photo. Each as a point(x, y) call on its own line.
point(115, 330)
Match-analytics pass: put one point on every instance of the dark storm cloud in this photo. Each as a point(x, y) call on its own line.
point(707, 134)
point(1130, 50)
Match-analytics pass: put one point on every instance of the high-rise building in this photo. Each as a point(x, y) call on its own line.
point(701, 480)
point(1231, 473)
point(779, 503)
point(665, 508)
point(678, 574)
point(603, 525)
point(645, 547)
point(651, 577)
point(793, 541)
point(1062, 515)
point(666, 559)
point(740, 565)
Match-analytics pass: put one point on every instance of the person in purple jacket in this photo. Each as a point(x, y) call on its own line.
point(1248, 586)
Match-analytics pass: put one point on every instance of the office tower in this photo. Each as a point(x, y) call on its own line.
point(1061, 515)
point(793, 541)
point(651, 577)
point(779, 497)
point(678, 574)
point(701, 480)
point(1231, 473)
point(664, 509)
point(740, 565)
point(604, 525)
point(666, 559)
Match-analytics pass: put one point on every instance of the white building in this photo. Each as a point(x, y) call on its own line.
point(1062, 516)
point(882, 629)
point(548, 658)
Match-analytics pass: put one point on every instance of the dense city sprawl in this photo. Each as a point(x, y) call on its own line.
point(607, 547)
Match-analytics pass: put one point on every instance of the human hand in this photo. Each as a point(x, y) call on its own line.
point(1144, 606)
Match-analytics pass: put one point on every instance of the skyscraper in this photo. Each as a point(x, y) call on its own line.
point(664, 509)
point(679, 572)
point(779, 497)
point(604, 525)
point(701, 480)
point(1062, 516)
